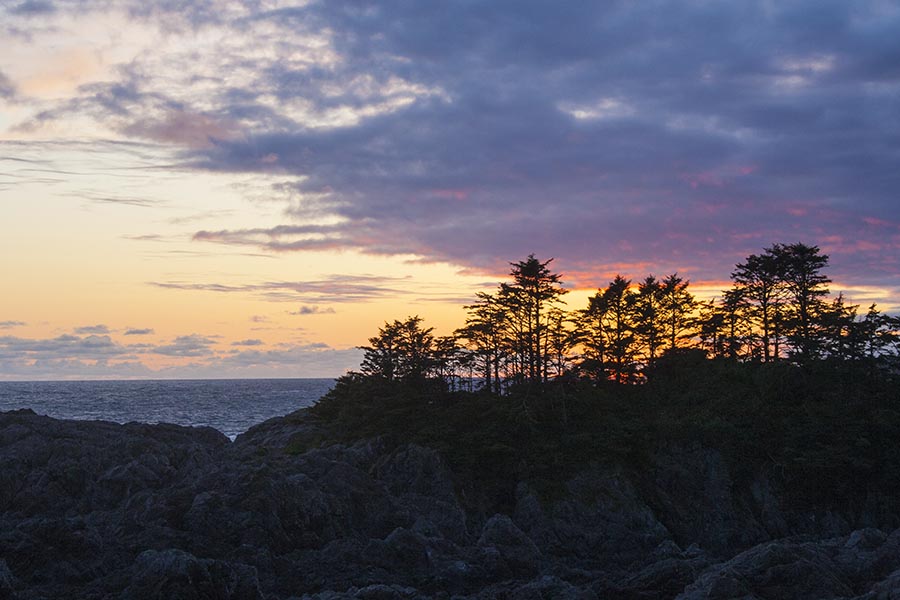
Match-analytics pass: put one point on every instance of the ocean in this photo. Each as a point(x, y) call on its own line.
point(230, 405)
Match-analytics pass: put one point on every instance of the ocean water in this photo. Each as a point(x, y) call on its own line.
point(230, 405)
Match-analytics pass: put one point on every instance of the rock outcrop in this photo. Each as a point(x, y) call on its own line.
point(99, 510)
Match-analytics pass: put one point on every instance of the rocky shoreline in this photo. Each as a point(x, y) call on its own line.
point(100, 510)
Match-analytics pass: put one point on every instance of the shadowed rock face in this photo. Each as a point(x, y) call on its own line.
point(98, 510)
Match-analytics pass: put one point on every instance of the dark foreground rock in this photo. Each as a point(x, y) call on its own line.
point(98, 510)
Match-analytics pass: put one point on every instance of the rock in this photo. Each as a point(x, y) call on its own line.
point(100, 510)
point(515, 548)
point(177, 575)
point(773, 571)
point(661, 580)
point(600, 521)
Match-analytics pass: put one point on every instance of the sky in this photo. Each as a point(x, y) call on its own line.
point(249, 189)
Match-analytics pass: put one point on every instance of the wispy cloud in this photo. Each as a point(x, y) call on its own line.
point(336, 288)
point(11, 324)
point(250, 342)
point(678, 136)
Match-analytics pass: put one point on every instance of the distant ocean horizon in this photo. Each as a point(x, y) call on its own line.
point(230, 405)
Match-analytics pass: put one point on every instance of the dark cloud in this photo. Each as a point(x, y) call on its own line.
point(99, 329)
point(139, 332)
point(11, 324)
point(336, 288)
point(682, 135)
point(253, 342)
point(191, 346)
point(598, 133)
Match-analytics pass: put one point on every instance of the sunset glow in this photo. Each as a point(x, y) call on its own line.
point(236, 189)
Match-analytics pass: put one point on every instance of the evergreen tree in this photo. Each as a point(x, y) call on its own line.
point(677, 306)
point(613, 309)
point(402, 351)
point(534, 292)
point(650, 325)
point(799, 267)
point(759, 283)
point(485, 331)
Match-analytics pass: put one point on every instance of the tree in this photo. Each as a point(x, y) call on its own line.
point(759, 283)
point(534, 292)
point(402, 351)
point(799, 267)
point(840, 330)
point(677, 305)
point(649, 327)
point(610, 316)
point(485, 330)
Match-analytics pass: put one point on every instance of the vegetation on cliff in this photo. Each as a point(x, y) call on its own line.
point(774, 375)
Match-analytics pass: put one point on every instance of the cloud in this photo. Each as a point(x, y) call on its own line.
point(182, 128)
point(193, 345)
point(64, 347)
point(92, 329)
point(11, 324)
point(33, 7)
point(305, 360)
point(96, 356)
point(595, 134)
point(684, 134)
point(336, 288)
point(7, 88)
point(313, 310)
point(139, 332)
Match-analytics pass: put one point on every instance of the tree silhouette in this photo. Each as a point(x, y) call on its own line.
point(677, 305)
point(649, 326)
point(759, 282)
point(402, 351)
point(799, 267)
point(776, 309)
point(485, 331)
point(611, 316)
point(535, 290)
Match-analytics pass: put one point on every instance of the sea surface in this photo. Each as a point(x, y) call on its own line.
point(230, 405)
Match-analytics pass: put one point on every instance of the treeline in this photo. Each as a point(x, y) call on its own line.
point(778, 309)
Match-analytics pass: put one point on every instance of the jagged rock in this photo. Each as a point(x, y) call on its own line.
point(515, 548)
point(773, 571)
point(176, 575)
point(661, 580)
point(602, 520)
point(99, 510)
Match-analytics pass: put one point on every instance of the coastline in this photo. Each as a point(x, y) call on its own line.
point(94, 509)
